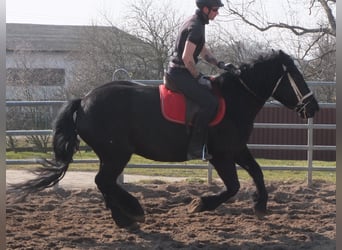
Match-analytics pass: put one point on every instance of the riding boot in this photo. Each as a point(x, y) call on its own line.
point(197, 148)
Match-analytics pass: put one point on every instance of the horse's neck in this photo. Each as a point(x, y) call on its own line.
point(261, 87)
point(241, 102)
point(254, 107)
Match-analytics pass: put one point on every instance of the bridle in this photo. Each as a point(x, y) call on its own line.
point(300, 97)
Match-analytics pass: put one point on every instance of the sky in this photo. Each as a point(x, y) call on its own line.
point(74, 12)
point(88, 12)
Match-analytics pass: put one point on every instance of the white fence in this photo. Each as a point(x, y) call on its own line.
point(309, 147)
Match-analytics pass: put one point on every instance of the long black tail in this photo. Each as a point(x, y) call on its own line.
point(65, 143)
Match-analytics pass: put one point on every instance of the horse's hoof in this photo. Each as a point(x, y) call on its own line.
point(124, 224)
point(260, 213)
point(140, 218)
point(133, 227)
point(123, 220)
point(196, 206)
point(129, 227)
point(134, 218)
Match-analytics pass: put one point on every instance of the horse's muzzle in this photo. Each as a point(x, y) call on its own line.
point(308, 108)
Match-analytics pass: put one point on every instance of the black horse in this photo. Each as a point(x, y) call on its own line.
point(122, 118)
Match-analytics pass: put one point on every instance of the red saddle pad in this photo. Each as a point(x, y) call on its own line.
point(173, 106)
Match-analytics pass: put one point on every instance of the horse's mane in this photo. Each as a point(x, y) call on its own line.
point(261, 58)
point(252, 70)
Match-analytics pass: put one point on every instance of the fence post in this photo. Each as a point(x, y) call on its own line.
point(55, 187)
point(210, 173)
point(310, 150)
point(120, 179)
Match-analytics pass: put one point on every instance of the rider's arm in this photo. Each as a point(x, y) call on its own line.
point(208, 56)
point(188, 58)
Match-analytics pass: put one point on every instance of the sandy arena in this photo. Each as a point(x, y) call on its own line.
point(75, 218)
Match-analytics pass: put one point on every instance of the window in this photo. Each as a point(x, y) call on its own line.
point(38, 76)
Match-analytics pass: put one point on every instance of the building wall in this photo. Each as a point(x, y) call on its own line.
point(38, 60)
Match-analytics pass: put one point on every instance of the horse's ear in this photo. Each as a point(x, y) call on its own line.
point(284, 56)
point(281, 53)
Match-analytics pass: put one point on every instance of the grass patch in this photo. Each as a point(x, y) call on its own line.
point(191, 174)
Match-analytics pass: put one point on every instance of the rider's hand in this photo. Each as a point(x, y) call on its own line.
point(204, 80)
point(231, 68)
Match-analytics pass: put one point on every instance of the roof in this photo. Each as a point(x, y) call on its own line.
point(36, 37)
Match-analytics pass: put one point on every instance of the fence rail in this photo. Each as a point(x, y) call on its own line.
point(309, 147)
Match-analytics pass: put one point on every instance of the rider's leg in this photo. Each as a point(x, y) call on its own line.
point(208, 103)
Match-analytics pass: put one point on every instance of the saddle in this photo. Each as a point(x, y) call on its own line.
point(179, 109)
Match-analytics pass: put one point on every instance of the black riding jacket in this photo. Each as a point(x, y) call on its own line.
point(193, 29)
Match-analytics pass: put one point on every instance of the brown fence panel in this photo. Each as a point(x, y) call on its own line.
point(293, 136)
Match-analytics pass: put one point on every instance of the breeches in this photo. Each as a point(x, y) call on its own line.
point(198, 93)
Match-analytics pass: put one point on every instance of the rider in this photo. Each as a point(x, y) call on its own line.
point(190, 44)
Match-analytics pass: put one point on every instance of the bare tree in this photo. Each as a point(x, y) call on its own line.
point(313, 43)
point(155, 23)
point(103, 51)
point(326, 7)
point(252, 12)
point(231, 49)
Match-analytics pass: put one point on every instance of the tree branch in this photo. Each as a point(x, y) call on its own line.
point(330, 16)
point(297, 30)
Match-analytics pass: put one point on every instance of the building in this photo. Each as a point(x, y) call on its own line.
point(37, 57)
point(40, 58)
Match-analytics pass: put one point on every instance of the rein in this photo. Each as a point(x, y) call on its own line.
point(250, 90)
point(296, 90)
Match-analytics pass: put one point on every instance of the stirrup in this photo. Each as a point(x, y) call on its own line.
point(205, 155)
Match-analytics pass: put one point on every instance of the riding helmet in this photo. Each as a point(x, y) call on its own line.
point(209, 3)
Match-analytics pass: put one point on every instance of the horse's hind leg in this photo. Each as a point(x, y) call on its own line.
point(125, 208)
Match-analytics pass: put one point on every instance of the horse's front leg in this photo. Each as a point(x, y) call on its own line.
point(226, 169)
point(247, 161)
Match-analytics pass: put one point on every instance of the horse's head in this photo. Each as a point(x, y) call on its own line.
point(274, 75)
point(292, 90)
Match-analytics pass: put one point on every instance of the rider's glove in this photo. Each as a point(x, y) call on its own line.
point(204, 80)
point(229, 67)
